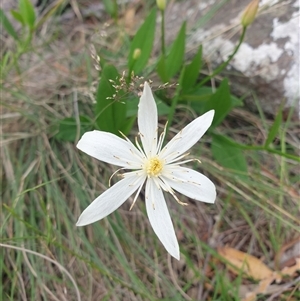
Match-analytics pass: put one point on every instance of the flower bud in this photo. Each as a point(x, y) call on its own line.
point(136, 53)
point(249, 13)
point(161, 4)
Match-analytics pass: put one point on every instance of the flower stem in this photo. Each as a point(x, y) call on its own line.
point(224, 64)
point(270, 150)
point(163, 47)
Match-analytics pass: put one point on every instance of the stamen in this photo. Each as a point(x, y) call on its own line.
point(161, 139)
point(113, 175)
point(189, 160)
point(171, 191)
point(136, 154)
point(153, 167)
point(139, 147)
point(131, 164)
point(176, 159)
point(162, 184)
point(136, 196)
point(156, 181)
point(153, 149)
point(178, 179)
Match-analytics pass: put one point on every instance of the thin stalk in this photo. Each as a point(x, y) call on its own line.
point(224, 64)
point(282, 176)
point(267, 149)
point(273, 151)
point(283, 167)
point(163, 46)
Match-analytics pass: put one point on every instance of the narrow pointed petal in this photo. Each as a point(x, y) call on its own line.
point(147, 121)
point(187, 137)
point(190, 183)
point(160, 219)
point(111, 149)
point(110, 200)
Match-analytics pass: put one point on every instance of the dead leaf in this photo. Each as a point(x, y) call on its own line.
point(250, 265)
point(250, 297)
point(129, 20)
point(264, 287)
point(250, 292)
point(264, 284)
point(287, 253)
point(290, 271)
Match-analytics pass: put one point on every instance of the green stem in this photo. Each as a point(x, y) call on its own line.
point(129, 73)
point(273, 151)
point(224, 64)
point(262, 148)
point(163, 47)
point(16, 63)
point(281, 182)
point(115, 4)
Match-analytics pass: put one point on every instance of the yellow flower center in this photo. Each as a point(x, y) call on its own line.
point(154, 167)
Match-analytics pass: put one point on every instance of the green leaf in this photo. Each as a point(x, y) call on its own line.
point(7, 25)
point(4, 63)
point(162, 108)
point(227, 153)
point(67, 129)
point(111, 7)
point(17, 16)
point(192, 71)
point(175, 99)
point(220, 102)
point(275, 127)
point(161, 69)
point(26, 9)
point(236, 102)
point(197, 98)
point(143, 40)
point(200, 94)
point(132, 106)
point(127, 125)
point(110, 113)
point(169, 66)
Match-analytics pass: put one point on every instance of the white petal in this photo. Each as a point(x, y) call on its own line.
point(190, 183)
point(160, 219)
point(110, 200)
point(111, 149)
point(147, 121)
point(187, 137)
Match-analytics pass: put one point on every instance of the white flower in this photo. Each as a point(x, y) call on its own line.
point(159, 168)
